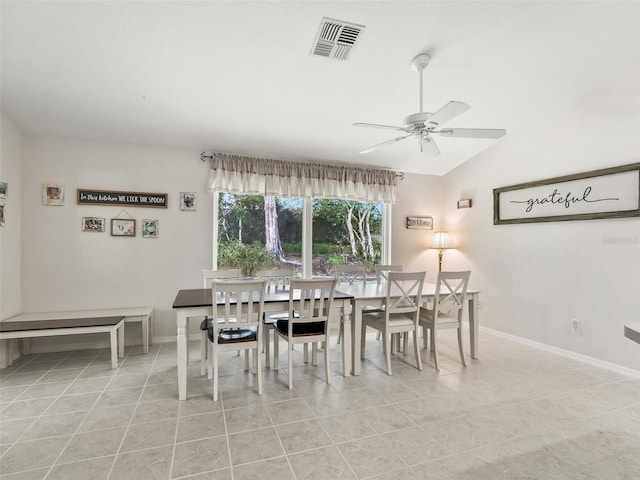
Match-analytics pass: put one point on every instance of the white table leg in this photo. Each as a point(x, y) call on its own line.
point(26, 346)
point(151, 328)
point(113, 333)
point(121, 340)
point(183, 354)
point(473, 324)
point(346, 340)
point(356, 327)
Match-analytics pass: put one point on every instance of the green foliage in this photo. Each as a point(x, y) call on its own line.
point(294, 248)
point(248, 257)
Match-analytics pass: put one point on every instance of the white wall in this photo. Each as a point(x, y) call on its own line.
point(536, 277)
point(10, 233)
point(66, 268)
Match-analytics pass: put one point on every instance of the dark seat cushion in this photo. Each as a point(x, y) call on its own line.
point(300, 329)
point(235, 335)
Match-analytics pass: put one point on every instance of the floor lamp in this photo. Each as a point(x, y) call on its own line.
point(441, 241)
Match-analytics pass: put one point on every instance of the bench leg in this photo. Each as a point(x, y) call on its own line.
point(114, 348)
point(121, 341)
point(145, 334)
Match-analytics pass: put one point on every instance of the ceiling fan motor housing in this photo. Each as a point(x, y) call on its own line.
point(418, 121)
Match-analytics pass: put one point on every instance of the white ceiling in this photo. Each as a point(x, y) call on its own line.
point(237, 77)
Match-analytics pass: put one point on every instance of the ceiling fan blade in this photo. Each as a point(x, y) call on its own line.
point(428, 147)
point(388, 142)
point(449, 111)
point(473, 132)
point(376, 125)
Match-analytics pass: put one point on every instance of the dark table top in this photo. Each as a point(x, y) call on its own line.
point(27, 325)
point(201, 297)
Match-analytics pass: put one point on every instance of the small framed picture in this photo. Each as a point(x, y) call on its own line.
point(149, 228)
point(123, 227)
point(52, 194)
point(187, 201)
point(420, 223)
point(466, 203)
point(3, 188)
point(93, 224)
point(2, 207)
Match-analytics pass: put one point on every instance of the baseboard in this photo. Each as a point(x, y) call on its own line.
point(566, 353)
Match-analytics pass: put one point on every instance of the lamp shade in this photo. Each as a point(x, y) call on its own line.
point(441, 240)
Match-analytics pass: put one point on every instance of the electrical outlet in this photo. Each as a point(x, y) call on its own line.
point(576, 326)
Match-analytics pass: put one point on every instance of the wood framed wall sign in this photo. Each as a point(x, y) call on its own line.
point(130, 199)
point(420, 223)
point(123, 227)
point(466, 203)
point(607, 193)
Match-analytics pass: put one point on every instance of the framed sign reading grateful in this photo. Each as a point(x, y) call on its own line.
point(607, 193)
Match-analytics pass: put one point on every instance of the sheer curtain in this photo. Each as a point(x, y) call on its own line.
point(252, 175)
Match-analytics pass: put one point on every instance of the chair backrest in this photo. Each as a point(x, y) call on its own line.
point(451, 289)
point(310, 300)
point(382, 271)
point(404, 294)
point(278, 279)
point(350, 273)
point(241, 301)
point(209, 275)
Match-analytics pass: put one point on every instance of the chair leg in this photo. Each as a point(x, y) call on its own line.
point(416, 350)
point(258, 369)
point(378, 335)
point(464, 364)
point(363, 341)
point(386, 340)
point(305, 349)
point(267, 355)
point(203, 351)
point(314, 354)
point(246, 360)
point(210, 360)
point(425, 337)
point(276, 353)
point(341, 331)
point(434, 347)
point(327, 365)
point(290, 371)
point(215, 376)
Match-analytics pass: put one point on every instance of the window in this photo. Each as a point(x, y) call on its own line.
point(256, 232)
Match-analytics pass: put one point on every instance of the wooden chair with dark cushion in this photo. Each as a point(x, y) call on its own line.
point(209, 276)
point(236, 323)
point(309, 306)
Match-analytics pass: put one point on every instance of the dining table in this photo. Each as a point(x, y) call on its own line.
point(198, 302)
point(374, 294)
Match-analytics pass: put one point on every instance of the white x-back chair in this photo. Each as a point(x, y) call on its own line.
point(399, 313)
point(451, 289)
point(348, 274)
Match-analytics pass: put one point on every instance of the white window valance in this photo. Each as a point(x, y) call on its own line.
point(262, 176)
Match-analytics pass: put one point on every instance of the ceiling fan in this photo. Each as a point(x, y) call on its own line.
point(423, 124)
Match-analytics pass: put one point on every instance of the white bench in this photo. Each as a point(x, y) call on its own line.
point(26, 329)
point(143, 315)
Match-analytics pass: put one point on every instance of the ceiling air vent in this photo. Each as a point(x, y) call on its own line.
point(335, 38)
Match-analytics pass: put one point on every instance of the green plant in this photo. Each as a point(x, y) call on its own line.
point(248, 257)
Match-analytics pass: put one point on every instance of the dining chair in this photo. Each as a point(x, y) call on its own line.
point(448, 305)
point(236, 323)
point(349, 274)
point(398, 314)
point(310, 303)
point(278, 280)
point(208, 276)
point(382, 275)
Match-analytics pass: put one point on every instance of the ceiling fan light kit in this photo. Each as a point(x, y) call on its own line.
point(422, 124)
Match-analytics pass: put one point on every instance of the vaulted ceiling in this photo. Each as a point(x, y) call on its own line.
point(238, 77)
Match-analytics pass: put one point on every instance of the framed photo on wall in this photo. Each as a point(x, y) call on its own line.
point(149, 228)
point(93, 224)
point(188, 201)
point(420, 223)
point(2, 207)
point(123, 227)
point(52, 194)
point(3, 188)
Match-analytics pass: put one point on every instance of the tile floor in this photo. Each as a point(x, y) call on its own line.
point(516, 413)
